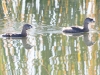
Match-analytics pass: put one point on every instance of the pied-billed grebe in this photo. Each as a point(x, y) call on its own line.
point(79, 29)
point(23, 33)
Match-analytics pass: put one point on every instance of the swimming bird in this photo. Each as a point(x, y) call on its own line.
point(77, 29)
point(23, 33)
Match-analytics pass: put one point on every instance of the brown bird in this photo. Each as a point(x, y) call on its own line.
point(23, 33)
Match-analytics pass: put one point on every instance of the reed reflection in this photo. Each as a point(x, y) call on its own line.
point(50, 54)
point(55, 13)
point(73, 57)
point(14, 56)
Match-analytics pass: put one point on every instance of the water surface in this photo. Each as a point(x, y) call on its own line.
point(46, 50)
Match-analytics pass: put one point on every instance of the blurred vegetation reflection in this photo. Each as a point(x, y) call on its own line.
point(47, 51)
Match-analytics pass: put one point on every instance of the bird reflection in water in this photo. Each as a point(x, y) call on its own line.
point(25, 44)
point(24, 40)
point(87, 37)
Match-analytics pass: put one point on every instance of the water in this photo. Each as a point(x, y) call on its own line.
point(46, 50)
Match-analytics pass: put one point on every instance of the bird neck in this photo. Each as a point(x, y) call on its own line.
point(86, 29)
point(24, 32)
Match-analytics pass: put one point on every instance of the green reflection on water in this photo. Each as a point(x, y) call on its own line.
point(49, 52)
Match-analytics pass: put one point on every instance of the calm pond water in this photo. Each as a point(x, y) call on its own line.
point(46, 50)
